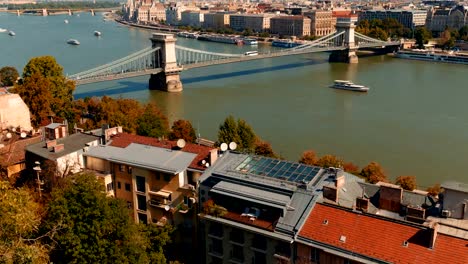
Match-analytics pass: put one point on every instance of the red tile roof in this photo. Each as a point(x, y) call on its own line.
point(344, 13)
point(123, 140)
point(381, 239)
point(14, 151)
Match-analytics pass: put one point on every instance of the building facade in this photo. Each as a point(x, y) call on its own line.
point(192, 18)
point(256, 23)
point(438, 19)
point(409, 18)
point(290, 25)
point(322, 22)
point(216, 20)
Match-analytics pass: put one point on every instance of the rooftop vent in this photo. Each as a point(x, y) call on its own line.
point(405, 243)
point(325, 222)
point(342, 239)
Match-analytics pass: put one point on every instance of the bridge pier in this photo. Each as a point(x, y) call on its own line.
point(169, 79)
point(346, 56)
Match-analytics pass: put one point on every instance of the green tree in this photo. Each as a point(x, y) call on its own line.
point(152, 122)
point(37, 97)
point(463, 33)
point(95, 228)
point(422, 36)
point(407, 182)
point(308, 157)
point(61, 89)
point(247, 137)
point(378, 33)
point(329, 161)
point(159, 238)
point(19, 222)
point(228, 131)
point(8, 76)
point(373, 173)
point(183, 129)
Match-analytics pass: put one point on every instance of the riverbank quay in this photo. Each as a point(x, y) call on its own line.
point(162, 29)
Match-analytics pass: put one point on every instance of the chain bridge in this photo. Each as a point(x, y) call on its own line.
point(164, 60)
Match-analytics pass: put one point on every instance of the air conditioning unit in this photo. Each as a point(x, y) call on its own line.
point(445, 213)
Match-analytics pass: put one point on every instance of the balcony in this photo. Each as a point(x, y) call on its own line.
point(251, 221)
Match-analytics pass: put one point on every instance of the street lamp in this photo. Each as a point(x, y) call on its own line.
point(37, 168)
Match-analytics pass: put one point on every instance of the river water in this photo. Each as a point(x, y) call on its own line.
point(413, 121)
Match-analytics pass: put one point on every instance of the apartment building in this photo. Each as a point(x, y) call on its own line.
point(253, 206)
point(322, 22)
point(156, 178)
point(216, 20)
point(290, 25)
point(192, 18)
point(254, 22)
point(409, 18)
point(333, 234)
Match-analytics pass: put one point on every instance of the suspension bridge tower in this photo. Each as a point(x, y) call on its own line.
point(347, 55)
point(169, 79)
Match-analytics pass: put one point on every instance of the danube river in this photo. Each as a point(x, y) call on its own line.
point(413, 121)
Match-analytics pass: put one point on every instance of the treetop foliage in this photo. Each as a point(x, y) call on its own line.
point(95, 228)
point(373, 173)
point(19, 222)
point(407, 182)
point(8, 76)
point(183, 129)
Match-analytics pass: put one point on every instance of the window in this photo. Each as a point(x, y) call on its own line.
point(259, 242)
point(119, 185)
point(128, 187)
point(237, 253)
point(314, 255)
point(129, 170)
point(158, 176)
point(167, 177)
point(141, 202)
point(121, 168)
point(140, 184)
point(259, 258)
point(129, 205)
point(110, 186)
point(237, 236)
point(142, 218)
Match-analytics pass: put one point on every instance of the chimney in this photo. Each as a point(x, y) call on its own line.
point(390, 197)
point(331, 193)
point(59, 147)
point(362, 204)
point(340, 179)
point(104, 136)
point(51, 143)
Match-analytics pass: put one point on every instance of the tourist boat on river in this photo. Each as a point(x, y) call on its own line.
point(436, 56)
point(221, 39)
point(73, 42)
point(284, 43)
point(250, 41)
point(12, 33)
point(3, 30)
point(97, 33)
point(348, 85)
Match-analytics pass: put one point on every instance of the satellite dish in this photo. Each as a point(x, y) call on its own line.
point(207, 165)
point(23, 135)
point(181, 143)
point(223, 147)
point(232, 145)
point(203, 162)
point(167, 207)
point(114, 132)
point(8, 135)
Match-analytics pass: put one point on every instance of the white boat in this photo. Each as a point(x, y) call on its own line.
point(97, 33)
point(65, 21)
point(3, 30)
point(73, 42)
point(435, 56)
point(250, 41)
point(11, 33)
point(348, 85)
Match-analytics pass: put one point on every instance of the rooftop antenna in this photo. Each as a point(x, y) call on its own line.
point(181, 143)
